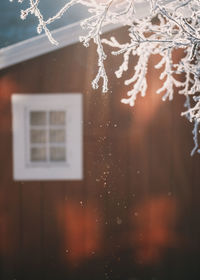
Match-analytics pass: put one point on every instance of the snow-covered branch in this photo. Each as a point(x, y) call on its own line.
point(155, 27)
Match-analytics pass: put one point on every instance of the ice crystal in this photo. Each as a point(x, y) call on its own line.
point(156, 27)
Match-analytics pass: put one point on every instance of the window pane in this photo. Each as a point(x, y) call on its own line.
point(57, 118)
point(38, 118)
point(57, 154)
point(38, 154)
point(38, 136)
point(57, 136)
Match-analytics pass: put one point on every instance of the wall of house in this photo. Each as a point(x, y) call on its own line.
point(135, 214)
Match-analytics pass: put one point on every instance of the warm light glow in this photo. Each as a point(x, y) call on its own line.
point(154, 229)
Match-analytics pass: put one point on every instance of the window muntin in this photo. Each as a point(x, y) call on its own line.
point(47, 142)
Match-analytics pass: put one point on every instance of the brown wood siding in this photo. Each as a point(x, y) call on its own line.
point(136, 213)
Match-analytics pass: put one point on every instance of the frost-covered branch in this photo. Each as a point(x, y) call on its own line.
point(155, 27)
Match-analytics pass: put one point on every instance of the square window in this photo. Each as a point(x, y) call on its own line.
point(57, 118)
point(57, 135)
point(47, 136)
point(38, 136)
point(38, 118)
point(57, 154)
point(38, 154)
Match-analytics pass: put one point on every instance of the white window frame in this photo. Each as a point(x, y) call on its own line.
point(22, 104)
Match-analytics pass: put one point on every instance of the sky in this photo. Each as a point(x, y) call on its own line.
point(13, 29)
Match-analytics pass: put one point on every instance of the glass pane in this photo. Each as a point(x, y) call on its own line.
point(57, 154)
point(38, 136)
point(57, 118)
point(38, 154)
point(38, 118)
point(57, 136)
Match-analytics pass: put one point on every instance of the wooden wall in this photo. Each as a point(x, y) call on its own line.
point(136, 213)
